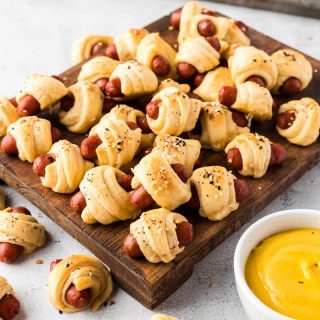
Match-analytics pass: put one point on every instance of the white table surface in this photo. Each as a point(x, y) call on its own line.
point(36, 36)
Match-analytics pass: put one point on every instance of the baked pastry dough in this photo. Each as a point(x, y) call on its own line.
point(106, 200)
point(255, 151)
point(119, 143)
point(8, 115)
point(127, 43)
point(153, 45)
point(226, 29)
point(212, 83)
point(218, 127)
point(159, 316)
point(216, 192)
point(171, 83)
point(189, 10)
point(66, 172)
point(291, 63)
point(97, 68)
point(82, 47)
point(45, 89)
point(305, 128)
point(21, 229)
point(83, 272)
point(126, 113)
point(199, 53)
point(87, 108)
point(33, 137)
point(254, 100)
point(2, 198)
point(250, 61)
point(136, 79)
point(177, 112)
point(155, 173)
point(178, 150)
point(5, 288)
point(155, 232)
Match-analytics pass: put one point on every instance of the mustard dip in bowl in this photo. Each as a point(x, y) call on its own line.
point(277, 266)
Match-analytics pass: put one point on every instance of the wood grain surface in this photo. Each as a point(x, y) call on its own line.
point(152, 283)
point(308, 8)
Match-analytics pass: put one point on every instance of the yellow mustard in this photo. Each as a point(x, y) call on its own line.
point(283, 271)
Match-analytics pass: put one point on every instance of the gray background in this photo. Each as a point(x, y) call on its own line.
point(36, 36)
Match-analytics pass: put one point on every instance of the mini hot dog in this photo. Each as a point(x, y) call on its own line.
point(252, 154)
point(278, 156)
point(78, 201)
point(158, 235)
point(90, 144)
point(140, 198)
point(10, 252)
point(9, 144)
point(184, 232)
point(188, 71)
point(9, 304)
point(77, 299)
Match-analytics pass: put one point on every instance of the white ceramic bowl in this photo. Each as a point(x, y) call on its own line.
point(265, 227)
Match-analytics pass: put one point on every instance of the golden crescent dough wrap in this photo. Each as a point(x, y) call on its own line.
point(82, 47)
point(66, 172)
point(5, 288)
point(84, 272)
point(8, 115)
point(153, 45)
point(212, 83)
point(33, 137)
point(155, 232)
point(97, 68)
point(199, 53)
point(126, 113)
point(291, 63)
point(189, 10)
point(106, 200)
point(127, 43)
point(119, 143)
point(305, 128)
point(226, 29)
point(171, 83)
point(87, 108)
point(177, 112)
point(21, 229)
point(155, 173)
point(254, 100)
point(218, 127)
point(255, 151)
point(136, 79)
point(250, 61)
point(216, 192)
point(178, 150)
point(159, 316)
point(45, 89)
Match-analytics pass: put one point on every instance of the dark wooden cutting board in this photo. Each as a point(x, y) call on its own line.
point(309, 8)
point(152, 283)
